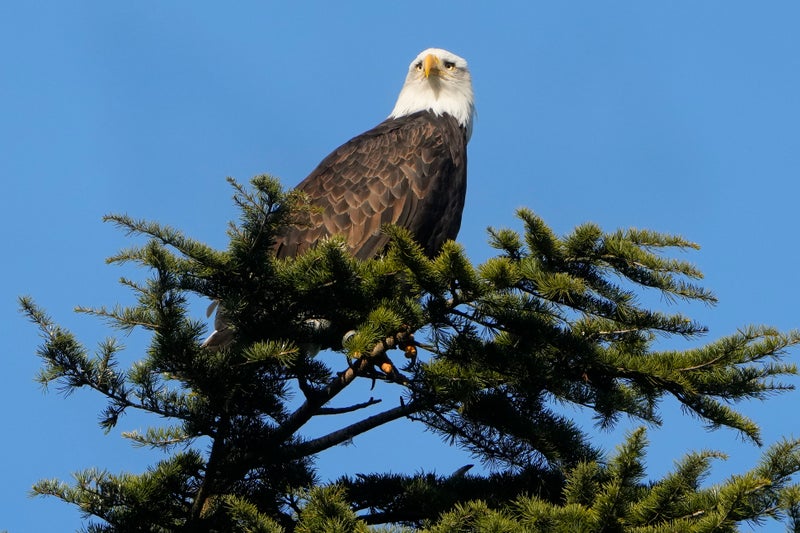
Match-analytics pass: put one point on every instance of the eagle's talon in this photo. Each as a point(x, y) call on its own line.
point(411, 352)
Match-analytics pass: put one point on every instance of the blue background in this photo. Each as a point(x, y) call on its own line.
point(679, 117)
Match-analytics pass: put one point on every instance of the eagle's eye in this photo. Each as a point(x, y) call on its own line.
point(418, 66)
point(449, 65)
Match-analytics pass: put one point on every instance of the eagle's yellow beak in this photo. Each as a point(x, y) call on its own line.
point(431, 64)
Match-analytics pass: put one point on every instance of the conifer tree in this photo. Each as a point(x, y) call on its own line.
point(481, 355)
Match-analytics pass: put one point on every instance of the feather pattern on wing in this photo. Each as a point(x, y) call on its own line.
point(409, 171)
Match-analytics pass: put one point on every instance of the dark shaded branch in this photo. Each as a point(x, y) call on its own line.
point(349, 409)
point(488, 445)
point(305, 387)
point(207, 487)
point(313, 403)
point(386, 517)
point(343, 435)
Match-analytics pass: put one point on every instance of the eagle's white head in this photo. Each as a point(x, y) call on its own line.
point(438, 81)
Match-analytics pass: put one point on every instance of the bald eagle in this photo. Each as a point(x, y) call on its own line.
point(409, 170)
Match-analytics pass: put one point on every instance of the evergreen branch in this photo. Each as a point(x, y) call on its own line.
point(412, 499)
point(551, 320)
point(624, 470)
point(247, 515)
point(672, 495)
point(477, 316)
point(87, 494)
point(326, 510)
point(541, 240)
point(125, 319)
point(484, 443)
point(66, 360)
point(125, 499)
point(506, 240)
point(163, 438)
point(167, 236)
point(264, 208)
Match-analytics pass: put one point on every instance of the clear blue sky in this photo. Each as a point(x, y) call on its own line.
point(675, 116)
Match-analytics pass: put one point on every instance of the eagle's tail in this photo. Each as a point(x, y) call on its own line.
point(222, 335)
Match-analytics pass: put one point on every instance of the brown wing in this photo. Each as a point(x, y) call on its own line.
point(409, 171)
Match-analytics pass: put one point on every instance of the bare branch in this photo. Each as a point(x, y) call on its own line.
point(350, 409)
point(314, 402)
point(343, 435)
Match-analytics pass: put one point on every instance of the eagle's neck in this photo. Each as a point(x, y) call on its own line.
point(453, 99)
